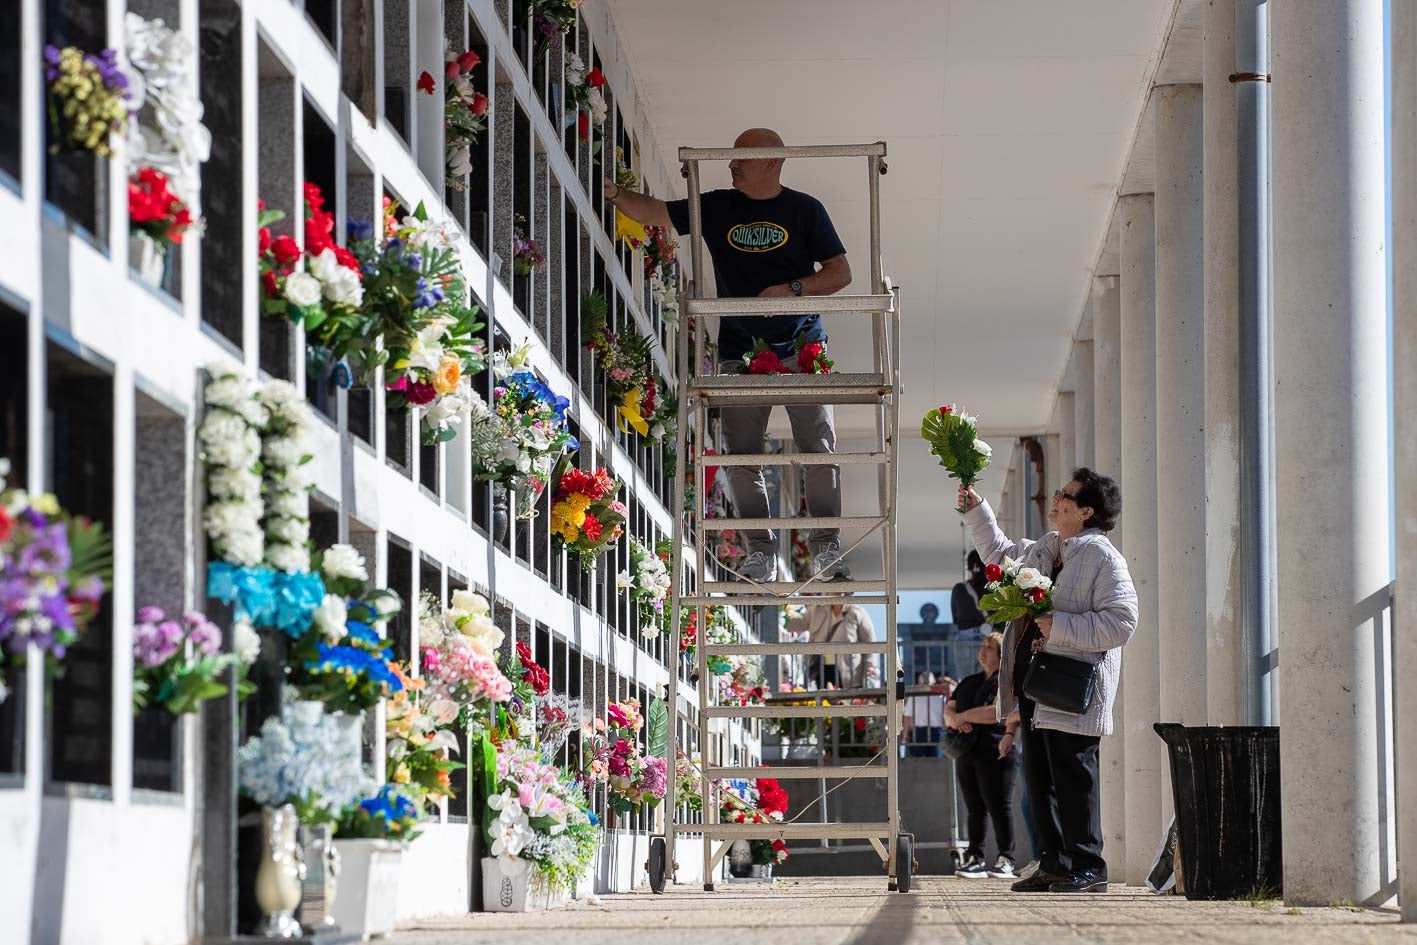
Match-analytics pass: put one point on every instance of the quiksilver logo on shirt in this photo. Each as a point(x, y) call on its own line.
point(757, 237)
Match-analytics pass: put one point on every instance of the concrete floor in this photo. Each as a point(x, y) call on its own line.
point(940, 911)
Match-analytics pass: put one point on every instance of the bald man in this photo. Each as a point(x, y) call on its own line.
point(767, 241)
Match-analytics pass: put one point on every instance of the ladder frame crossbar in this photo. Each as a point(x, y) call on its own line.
point(699, 392)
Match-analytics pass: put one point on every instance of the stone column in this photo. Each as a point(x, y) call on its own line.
point(1084, 406)
point(1404, 336)
point(1331, 424)
point(1145, 757)
point(1067, 441)
point(1225, 662)
point(1180, 403)
point(1106, 364)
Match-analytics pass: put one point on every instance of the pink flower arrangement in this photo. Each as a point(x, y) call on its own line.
point(615, 760)
point(466, 677)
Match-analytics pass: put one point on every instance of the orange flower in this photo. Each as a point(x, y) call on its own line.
point(449, 373)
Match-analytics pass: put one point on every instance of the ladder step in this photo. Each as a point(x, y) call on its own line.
point(769, 600)
point(819, 590)
point(794, 711)
point(800, 521)
point(808, 305)
point(793, 459)
point(802, 772)
point(792, 388)
point(798, 831)
point(793, 649)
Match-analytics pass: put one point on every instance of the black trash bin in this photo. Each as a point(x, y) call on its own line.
point(1226, 785)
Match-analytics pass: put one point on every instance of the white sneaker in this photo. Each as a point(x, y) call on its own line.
point(972, 868)
point(828, 562)
point(759, 567)
point(1003, 868)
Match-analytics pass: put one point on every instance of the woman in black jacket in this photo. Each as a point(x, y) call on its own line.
point(986, 774)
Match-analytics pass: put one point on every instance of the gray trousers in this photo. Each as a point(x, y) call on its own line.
point(744, 431)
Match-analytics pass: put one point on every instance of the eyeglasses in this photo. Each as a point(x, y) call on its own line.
point(1060, 494)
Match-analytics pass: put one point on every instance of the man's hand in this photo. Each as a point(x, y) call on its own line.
point(609, 188)
point(968, 499)
point(776, 292)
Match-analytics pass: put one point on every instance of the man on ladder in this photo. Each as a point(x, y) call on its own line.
point(766, 241)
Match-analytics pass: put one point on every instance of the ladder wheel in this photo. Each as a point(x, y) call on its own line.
point(904, 861)
point(658, 865)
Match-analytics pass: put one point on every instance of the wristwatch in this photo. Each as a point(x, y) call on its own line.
point(796, 286)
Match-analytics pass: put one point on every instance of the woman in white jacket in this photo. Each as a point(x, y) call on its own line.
point(1094, 615)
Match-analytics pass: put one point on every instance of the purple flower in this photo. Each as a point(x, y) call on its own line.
point(204, 634)
point(156, 643)
point(654, 776)
point(151, 615)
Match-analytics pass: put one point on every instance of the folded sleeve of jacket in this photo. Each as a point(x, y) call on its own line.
point(989, 540)
point(1112, 620)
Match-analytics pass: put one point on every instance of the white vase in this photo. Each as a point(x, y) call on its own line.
point(518, 889)
point(147, 257)
point(370, 871)
point(351, 733)
point(278, 879)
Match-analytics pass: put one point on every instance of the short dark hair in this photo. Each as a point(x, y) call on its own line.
point(1101, 494)
point(974, 562)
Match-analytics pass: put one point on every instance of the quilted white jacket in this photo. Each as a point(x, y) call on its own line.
point(1094, 613)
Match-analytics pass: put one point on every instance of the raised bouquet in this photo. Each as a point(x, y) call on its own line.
point(1014, 592)
point(954, 439)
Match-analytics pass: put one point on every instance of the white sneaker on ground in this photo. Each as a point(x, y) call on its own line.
point(1003, 868)
point(759, 567)
point(1029, 869)
point(828, 562)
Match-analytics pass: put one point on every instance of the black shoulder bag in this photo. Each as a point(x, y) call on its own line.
point(1061, 682)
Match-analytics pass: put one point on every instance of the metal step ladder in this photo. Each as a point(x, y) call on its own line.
point(699, 393)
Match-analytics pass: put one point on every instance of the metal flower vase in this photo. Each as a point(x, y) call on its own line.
point(278, 880)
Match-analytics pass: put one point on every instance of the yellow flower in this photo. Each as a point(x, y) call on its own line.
point(445, 381)
point(401, 774)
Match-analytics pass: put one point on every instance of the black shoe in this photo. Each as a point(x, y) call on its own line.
point(972, 868)
point(1081, 881)
point(1040, 881)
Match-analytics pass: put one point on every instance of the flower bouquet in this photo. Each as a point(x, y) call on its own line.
point(464, 115)
point(761, 802)
point(539, 819)
point(761, 359)
point(229, 445)
point(688, 782)
point(647, 582)
point(302, 760)
point(420, 742)
point(1013, 592)
point(527, 256)
point(954, 439)
point(743, 684)
point(168, 136)
point(417, 299)
point(390, 814)
point(518, 442)
point(534, 678)
point(320, 286)
point(616, 760)
point(585, 515)
point(556, 717)
point(285, 451)
point(157, 218)
point(585, 102)
point(661, 251)
point(812, 356)
point(622, 361)
point(550, 20)
point(177, 663)
point(458, 649)
point(88, 98)
point(54, 569)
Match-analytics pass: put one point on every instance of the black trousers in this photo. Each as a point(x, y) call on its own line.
point(1060, 770)
point(987, 783)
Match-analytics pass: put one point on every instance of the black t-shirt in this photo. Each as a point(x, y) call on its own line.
point(964, 608)
point(761, 243)
point(973, 692)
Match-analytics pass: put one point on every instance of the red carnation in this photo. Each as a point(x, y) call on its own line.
point(420, 393)
point(592, 527)
point(479, 104)
point(347, 259)
point(263, 239)
point(269, 284)
point(468, 61)
point(766, 362)
point(595, 78)
point(992, 572)
point(426, 83)
point(314, 199)
point(583, 125)
point(286, 251)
